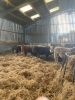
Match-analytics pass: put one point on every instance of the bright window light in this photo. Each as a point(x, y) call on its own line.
point(35, 16)
point(54, 9)
point(26, 8)
point(47, 1)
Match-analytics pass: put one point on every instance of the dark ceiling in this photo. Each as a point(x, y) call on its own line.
point(9, 9)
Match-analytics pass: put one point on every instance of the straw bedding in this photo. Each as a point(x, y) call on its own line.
point(26, 78)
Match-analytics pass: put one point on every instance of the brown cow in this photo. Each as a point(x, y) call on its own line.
point(27, 49)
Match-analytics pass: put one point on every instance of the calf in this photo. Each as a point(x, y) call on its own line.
point(42, 51)
point(59, 50)
point(63, 58)
point(27, 49)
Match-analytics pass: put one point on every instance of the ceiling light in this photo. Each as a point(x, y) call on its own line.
point(35, 16)
point(47, 1)
point(26, 8)
point(54, 9)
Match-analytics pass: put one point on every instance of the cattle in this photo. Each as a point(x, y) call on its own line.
point(42, 50)
point(27, 49)
point(17, 49)
point(63, 59)
point(62, 55)
point(23, 49)
point(34, 50)
point(58, 50)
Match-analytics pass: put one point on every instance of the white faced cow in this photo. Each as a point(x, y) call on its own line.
point(62, 55)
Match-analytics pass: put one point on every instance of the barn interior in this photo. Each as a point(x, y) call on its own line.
point(40, 23)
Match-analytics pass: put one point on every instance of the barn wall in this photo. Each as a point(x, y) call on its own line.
point(50, 29)
point(6, 46)
point(38, 32)
point(10, 34)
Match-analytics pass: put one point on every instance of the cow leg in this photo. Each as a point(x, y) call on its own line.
point(56, 60)
point(73, 73)
point(63, 74)
point(46, 57)
point(17, 51)
point(63, 63)
point(25, 52)
point(63, 66)
point(64, 71)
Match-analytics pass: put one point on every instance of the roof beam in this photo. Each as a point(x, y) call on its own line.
point(18, 18)
point(15, 8)
point(46, 6)
point(15, 16)
point(35, 10)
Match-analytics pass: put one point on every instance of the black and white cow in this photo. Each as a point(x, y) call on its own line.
point(42, 50)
